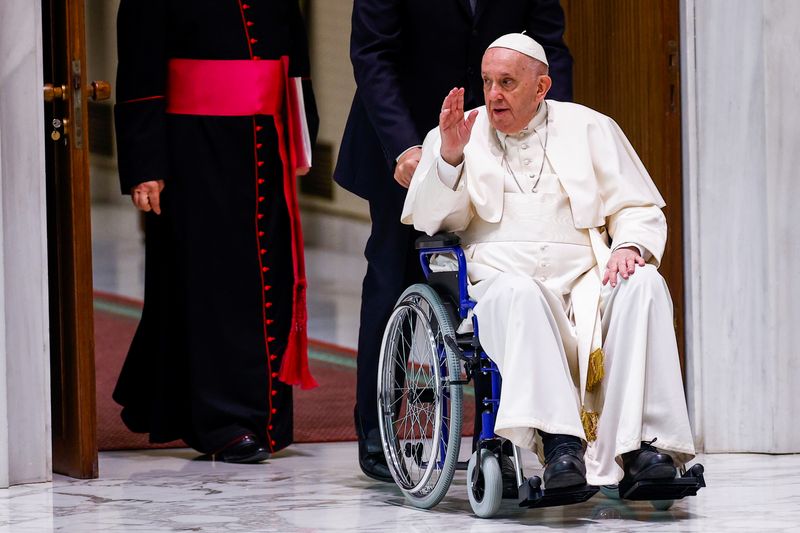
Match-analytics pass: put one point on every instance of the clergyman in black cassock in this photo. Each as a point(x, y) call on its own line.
point(204, 103)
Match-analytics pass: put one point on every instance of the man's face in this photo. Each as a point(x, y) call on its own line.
point(513, 86)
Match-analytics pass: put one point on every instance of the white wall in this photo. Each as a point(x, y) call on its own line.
point(741, 156)
point(25, 454)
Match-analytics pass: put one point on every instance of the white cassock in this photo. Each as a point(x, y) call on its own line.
point(535, 226)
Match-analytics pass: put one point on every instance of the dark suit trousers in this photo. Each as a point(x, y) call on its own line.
point(393, 265)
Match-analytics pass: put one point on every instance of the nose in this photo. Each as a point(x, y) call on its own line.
point(494, 93)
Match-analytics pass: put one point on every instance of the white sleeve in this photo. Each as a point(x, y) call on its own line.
point(448, 174)
point(642, 251)
point(396, 159)
point(431, 204)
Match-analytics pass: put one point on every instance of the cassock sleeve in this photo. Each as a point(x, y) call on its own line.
point(139, 112)
point(374, 52)
point(546, 26)
point(431, 206)
point(299, 66)
point(632, 204)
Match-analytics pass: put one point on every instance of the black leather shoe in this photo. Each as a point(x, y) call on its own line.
point(371, 459)
point(564, 466)
point(647, 463)
point(509, 473)
point(244, 450)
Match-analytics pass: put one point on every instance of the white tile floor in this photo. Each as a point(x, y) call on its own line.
point(318, 487)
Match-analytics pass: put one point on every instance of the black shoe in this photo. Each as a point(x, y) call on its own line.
point(371, 459)
point(647, 463)
point(244, 450)
point(564, 466)
point(509, 473)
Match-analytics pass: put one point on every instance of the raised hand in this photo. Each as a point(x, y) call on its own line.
point(454, 129)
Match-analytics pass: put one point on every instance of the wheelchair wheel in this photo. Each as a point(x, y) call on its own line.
point(610, 491)
point(486, 493)
point(662, 505)
point(419, 408)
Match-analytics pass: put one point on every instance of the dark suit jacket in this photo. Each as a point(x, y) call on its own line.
point(407, 55)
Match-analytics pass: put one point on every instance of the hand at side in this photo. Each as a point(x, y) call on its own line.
point(623, 261)
point(147, 196)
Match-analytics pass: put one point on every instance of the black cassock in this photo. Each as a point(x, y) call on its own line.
point(224, 276)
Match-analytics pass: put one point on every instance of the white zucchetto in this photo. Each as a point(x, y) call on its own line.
point(521, 43)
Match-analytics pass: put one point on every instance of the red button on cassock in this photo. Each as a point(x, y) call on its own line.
point(274, 392)
point(274, 411)
point(253, 41)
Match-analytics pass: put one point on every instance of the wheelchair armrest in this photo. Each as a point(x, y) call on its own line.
point(440, 240)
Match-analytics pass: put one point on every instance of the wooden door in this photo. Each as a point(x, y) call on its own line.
point(69, 238)
point(626, 66)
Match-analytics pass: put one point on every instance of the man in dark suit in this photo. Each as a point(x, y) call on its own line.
point(407, 55)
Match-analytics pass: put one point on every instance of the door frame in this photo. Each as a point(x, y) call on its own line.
point(73, 398)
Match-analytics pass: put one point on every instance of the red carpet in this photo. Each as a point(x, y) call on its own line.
point(324, 414)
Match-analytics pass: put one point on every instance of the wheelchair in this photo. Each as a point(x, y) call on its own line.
point(424, 364)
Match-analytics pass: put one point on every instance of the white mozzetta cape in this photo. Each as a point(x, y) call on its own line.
point(593, 159)
point(610, 194)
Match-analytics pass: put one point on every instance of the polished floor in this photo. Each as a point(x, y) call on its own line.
point(318, 487)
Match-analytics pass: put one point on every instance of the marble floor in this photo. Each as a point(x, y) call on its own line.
point(318, 487)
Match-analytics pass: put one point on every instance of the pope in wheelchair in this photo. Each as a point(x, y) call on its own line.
point(553, 291)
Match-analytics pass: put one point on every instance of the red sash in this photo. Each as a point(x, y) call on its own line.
point(247, 88)
point(236, 87)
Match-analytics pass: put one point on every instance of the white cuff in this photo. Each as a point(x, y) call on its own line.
point(447, 173)
point(396, 159)
point(642, 251)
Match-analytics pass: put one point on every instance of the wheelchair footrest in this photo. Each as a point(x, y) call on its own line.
point(665, 489)
point(532, 495)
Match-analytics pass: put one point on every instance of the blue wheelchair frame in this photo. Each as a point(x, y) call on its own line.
point(465, 304)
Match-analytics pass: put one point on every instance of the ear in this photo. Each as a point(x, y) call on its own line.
point(543, 85)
